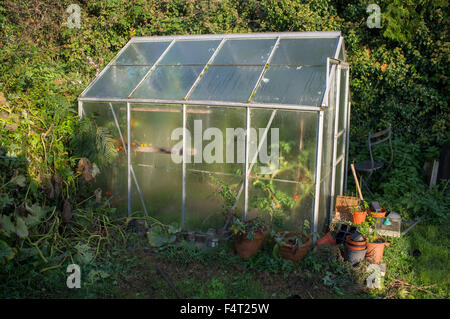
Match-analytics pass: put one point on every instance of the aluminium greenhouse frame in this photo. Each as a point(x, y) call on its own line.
point(333, 68)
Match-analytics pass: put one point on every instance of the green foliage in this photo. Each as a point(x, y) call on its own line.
point(399, 76)
point(248, 228)
point(94, 142)
point(160, 234)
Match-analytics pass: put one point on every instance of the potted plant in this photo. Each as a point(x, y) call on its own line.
point(293, 245)
point(359, 213)
point(375, 243)
point(248, 236)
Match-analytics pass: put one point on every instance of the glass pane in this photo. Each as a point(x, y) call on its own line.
point(112, 179)
point(190, 52)
point(296, 144)
point(216, 156)
point(232, 83)
point(159, 177)
point(168, 82)
point(313, 51)
point(144, 53)
point(248, 51)
point(117, 81)
point(292, 85)
point(277, 213)
point(342, 53)
point(289, 175)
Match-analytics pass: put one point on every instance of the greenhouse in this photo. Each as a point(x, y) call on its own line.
point(257, 123)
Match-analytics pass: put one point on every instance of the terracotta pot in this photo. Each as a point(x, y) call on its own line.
point(348, 240)
point(328, 239)
point(359, 217)
point(375, 251)
point(379, 214)
point(247, 248)
point(291, 252)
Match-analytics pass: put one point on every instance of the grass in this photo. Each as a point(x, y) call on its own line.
point(418, 264)
point(417, 267)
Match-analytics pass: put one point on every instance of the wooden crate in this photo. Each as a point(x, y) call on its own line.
point(343, 208)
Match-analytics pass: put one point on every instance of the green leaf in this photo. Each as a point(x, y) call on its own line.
point(37, 213)
point(84, 254)
point(156, 239)
point(6, 253)
point(21, 228)
point(6, 225)
point(19, 180)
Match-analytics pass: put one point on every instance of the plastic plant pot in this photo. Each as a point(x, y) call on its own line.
point(328, 239)
point(359, 217)
point(378, 214)
point(375, 250)
point(354, 256)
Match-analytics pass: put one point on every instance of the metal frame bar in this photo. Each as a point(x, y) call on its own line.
point(319, 145)
point(346, 129)
point(247, 147)
point(183, 187)
point(129, 158)
point(80, 109)
point(306, 108)
point(325, 34)
point(347, 143)
point(152, 68)
point(335, 138)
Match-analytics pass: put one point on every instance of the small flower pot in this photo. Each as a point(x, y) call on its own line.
point(378, 214)
point(359, 217)
point(246, 247)
point(295, 252)
point(328, 239)
point(375, 250)
point(348, 240)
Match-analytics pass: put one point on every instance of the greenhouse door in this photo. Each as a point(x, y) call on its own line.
point(340, 142)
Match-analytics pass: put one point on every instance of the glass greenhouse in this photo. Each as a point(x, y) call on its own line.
point(265, 115)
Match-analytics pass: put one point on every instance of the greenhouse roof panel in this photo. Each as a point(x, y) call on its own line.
point(190, 52)
point(282, 68)
point(168, 82)
point(292, 85)
point(142, 53)
point(245, 52)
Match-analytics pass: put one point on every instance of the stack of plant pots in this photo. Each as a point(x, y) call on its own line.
point(343, 232)
point(355, 248)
